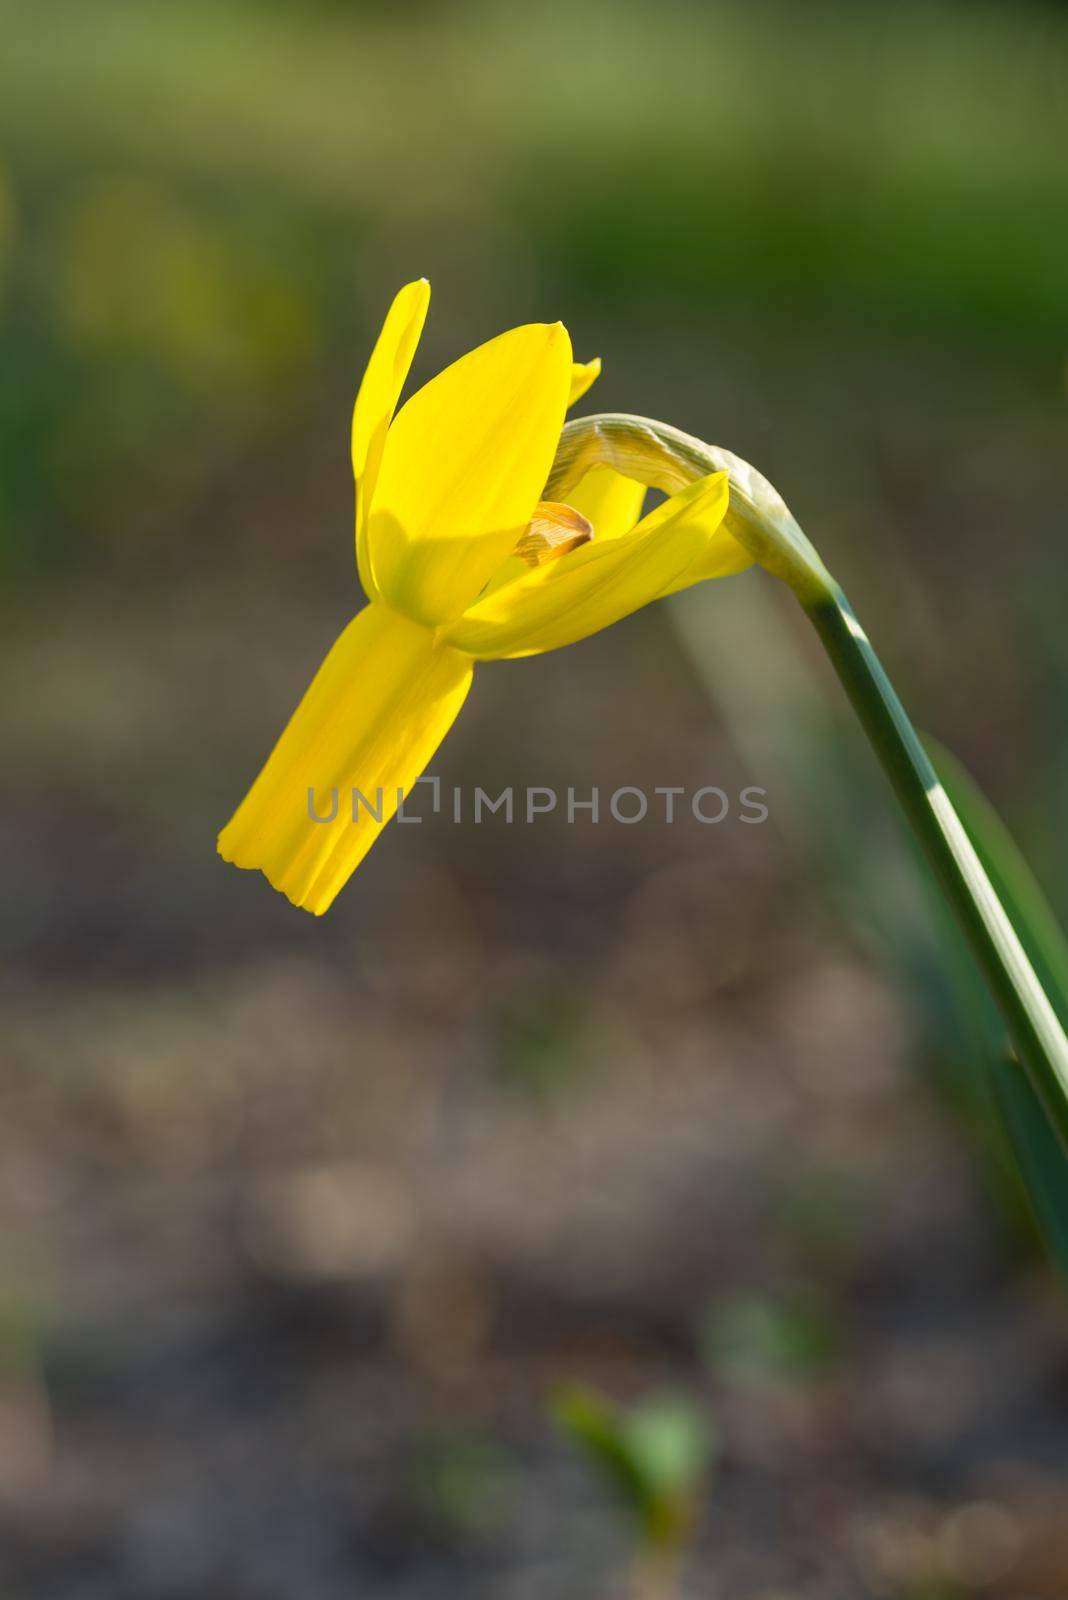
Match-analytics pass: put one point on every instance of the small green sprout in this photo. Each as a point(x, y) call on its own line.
point(654, 1458)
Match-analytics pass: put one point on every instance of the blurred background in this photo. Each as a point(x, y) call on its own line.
point(304, 1223)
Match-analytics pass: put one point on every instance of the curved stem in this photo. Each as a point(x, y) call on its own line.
point(1032, 1022)
point(759, 519)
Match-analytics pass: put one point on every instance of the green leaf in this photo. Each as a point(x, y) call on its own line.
point(1038, 1152)
point(1018, 889)
point(1036, 1149)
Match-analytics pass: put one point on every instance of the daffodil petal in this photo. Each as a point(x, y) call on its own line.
point(584, 375)
point(372, 718)
point(463, 468)
point(376, 402)
point(721, 557)
point(596, 585)
point(610, 501)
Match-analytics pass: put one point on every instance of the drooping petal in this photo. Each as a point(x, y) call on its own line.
point(596, 585)
point(372, 718)
point(612, 502)
point(376, 402)
point(584, 375)
point(463, 468)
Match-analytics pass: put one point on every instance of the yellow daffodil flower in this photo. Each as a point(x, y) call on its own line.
point(461, 561)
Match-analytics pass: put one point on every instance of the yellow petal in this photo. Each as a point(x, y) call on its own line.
point(464, 465)
point(584, 375)
point(721, 557)
point(612, 502)
point(376, 401)
point(597, 585)
point(372, 718)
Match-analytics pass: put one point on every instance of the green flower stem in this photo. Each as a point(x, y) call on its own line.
point(662, 456)
point(1031, 1020)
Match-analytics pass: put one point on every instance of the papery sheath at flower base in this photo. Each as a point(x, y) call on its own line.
point(461, 561)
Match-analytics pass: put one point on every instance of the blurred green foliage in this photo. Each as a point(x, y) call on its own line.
point(653, 1456)
point(461, 1486)
point(792, 1334)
